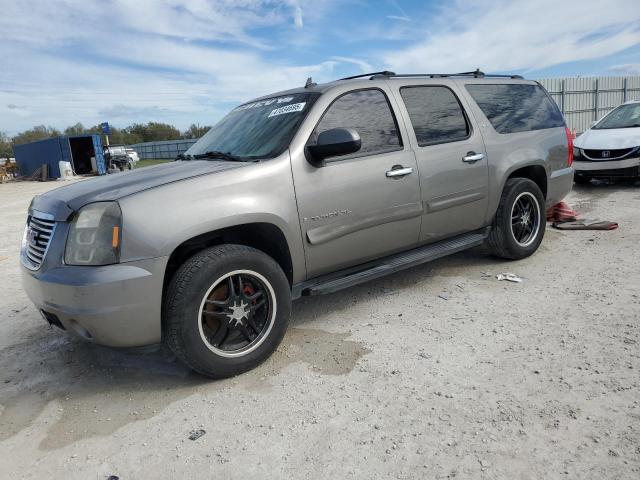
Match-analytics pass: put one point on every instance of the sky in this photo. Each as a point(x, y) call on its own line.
point(191, 61)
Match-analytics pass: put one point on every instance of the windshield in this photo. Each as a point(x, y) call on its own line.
point(257, 130)
point(625, 116)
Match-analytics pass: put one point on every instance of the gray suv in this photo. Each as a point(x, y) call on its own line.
point(303, 192)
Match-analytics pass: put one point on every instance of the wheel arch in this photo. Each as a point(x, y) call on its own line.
point(536, 173)
point(263, 236)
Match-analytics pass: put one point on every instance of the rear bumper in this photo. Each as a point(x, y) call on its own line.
point(560, 184)
point(115, 305)
point(604, 168)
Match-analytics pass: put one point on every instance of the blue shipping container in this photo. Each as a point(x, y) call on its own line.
point(76, 150)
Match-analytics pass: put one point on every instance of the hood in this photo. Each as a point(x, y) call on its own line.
point(608, 139)
point(62, 202)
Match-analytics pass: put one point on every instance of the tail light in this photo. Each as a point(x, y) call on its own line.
point(569, 146)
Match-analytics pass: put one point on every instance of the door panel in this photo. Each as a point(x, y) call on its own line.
point(451, 160)
point(351, 212)
point(455, 193)
point(354, 208)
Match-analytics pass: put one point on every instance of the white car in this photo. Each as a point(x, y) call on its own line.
point(611, 147)
point(132, 154)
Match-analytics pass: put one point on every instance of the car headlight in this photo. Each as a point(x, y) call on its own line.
point(577, 153)
point(94, 235)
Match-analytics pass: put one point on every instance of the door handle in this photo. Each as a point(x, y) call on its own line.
point(399, 171)
point(472, 157)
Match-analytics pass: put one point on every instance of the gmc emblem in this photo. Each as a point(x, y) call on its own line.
point(32, 236)
point(606, 154)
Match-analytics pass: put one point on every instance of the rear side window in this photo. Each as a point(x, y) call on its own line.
point(516, 107)
point(368, 112)
point(436, 114)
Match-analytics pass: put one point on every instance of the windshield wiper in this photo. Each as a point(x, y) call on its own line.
point(214, 154)
point(182, 156)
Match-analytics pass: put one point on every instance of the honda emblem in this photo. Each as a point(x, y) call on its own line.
point(606, 154)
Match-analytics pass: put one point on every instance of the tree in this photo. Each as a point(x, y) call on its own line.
point(6, 150)
point(135, 133)
point(195, 131)
point(77, 129)
point(154, 131)
point(39, 132)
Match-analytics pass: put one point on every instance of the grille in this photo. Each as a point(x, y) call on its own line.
point(608, 154)
point(37, 238)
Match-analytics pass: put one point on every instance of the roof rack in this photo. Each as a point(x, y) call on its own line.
point(384, 73)
point(476, 74)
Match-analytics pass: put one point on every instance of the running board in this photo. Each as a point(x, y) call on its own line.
point(394, 263)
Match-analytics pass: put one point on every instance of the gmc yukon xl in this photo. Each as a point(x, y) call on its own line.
point(303, 192)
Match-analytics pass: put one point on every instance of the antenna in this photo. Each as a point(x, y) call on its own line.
point(310, 83)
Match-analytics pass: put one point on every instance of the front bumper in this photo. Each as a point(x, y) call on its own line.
point(115, 305)
point(603, 168)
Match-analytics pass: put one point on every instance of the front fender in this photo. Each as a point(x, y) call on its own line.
point(157, 221)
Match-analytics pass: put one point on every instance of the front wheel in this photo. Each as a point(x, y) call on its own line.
point(519, 224)
point(226, 310)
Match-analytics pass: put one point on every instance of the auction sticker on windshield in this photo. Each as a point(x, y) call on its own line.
point(294, 107)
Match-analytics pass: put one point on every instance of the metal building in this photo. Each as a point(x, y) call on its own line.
point(77, 150)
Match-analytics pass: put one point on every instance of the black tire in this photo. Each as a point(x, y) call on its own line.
point(581, 179)
point(502, 238)
point(190, 290)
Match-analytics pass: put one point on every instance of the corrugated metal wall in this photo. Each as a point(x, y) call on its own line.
point(584, 100)
point(168, 149)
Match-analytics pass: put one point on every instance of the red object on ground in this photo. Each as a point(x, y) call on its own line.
point(561, 212)
point(570, 138)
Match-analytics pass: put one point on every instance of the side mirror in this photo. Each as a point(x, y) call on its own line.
point(334, 142)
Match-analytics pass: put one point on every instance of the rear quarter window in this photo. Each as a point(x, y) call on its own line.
point(515, 108)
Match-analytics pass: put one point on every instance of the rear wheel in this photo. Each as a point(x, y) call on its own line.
point(226, 310)
point(519, 224)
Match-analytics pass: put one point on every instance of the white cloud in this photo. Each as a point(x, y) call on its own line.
point(297, 15)
point(185, 61)
point(625, 69)
point(177, 61)
point(509, 35)
point(398, 17)
point(361, 64)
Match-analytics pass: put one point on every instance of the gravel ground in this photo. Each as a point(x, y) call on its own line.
point(437, 372)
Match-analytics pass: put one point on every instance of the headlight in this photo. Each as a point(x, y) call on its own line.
point(576, 153)
point(94, 236)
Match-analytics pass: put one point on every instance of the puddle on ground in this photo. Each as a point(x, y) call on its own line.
point(326, 353)
point(99, 390)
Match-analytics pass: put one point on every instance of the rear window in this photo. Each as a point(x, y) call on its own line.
point(515, 108)
point(436, 114)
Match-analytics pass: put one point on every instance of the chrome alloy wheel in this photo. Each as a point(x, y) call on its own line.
point(525, 219)
point(237, 313)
